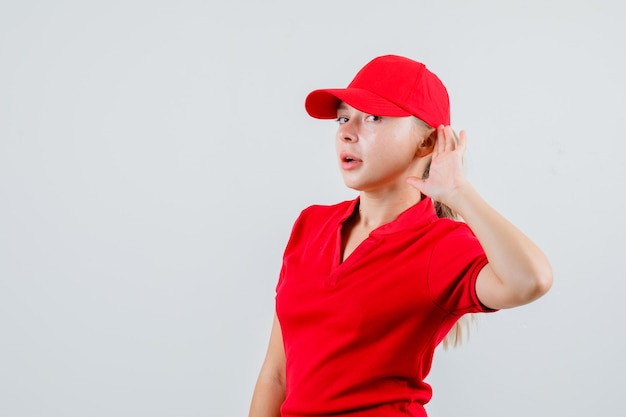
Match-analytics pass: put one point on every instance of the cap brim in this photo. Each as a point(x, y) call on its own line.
point(322, 104)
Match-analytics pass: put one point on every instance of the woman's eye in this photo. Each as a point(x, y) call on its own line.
point(372, 118)
point(341, 120)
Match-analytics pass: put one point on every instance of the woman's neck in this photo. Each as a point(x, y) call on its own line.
point(377, 209)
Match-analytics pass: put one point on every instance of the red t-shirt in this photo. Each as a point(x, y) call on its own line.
point(359, 335)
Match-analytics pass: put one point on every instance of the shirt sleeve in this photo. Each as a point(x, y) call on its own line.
point(296, 237)
point(456, 261)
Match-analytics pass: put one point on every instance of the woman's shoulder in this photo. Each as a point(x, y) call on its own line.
point(341, 209)
point(451, 230)
point(321, 216)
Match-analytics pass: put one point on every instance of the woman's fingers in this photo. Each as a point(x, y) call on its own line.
point(447, 139)
point(441, 140)
point(446, 169)
point(462, 141)
point(451, 138)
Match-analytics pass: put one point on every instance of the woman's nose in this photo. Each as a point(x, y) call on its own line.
point(347, 132)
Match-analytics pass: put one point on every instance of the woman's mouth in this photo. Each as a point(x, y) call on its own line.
point(349, 161)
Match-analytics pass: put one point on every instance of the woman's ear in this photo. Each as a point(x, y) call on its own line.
point(427, 144)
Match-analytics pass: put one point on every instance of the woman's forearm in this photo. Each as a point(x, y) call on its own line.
point(269, 394)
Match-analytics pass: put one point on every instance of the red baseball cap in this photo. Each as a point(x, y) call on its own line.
point(389, 85)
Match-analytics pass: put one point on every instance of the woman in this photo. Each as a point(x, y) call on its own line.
point(370, 287)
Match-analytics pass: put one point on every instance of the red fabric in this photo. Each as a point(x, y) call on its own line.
point(359, 335)
point(388, 85)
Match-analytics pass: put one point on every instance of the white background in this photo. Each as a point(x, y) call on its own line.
point(154, 154)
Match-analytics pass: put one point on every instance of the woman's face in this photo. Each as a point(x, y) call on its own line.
point(378, 153)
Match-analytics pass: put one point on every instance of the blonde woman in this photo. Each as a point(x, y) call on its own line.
point(370, 287)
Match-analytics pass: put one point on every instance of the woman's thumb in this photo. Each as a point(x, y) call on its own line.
point(416, 182)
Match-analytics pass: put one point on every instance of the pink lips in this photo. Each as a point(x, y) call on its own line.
point(349, 161)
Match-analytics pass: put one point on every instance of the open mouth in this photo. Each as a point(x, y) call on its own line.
point(346, 157)
point(349, 161)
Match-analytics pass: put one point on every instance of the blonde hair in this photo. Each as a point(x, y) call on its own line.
point(461, 328)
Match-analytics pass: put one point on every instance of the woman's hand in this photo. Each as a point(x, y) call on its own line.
point(446, 175)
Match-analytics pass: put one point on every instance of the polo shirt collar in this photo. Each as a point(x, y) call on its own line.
point(414, 217)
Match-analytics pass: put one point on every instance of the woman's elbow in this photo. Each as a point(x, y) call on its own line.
point(540, 282)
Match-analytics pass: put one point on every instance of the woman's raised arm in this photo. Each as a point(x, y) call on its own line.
point(518, 272)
